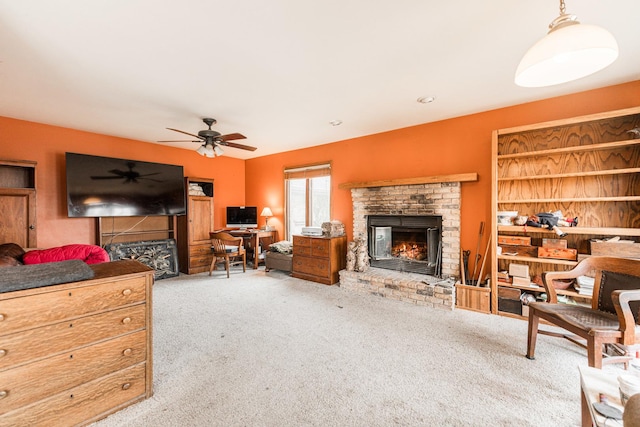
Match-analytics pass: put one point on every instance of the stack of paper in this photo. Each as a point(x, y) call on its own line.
point(584, 285)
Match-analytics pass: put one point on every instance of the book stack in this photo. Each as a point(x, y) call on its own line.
point(584, 285)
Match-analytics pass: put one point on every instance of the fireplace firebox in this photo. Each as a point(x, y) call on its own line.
point(408, 243)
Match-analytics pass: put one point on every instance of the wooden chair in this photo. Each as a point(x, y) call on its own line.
point(227, 248)
point(612, 317)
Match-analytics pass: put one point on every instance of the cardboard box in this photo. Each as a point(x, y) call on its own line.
point(514, 240)
point(554, 243)
point(521, 281)
point(567, 254)
point(518, 270)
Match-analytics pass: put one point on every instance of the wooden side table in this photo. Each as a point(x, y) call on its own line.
point(594, 381)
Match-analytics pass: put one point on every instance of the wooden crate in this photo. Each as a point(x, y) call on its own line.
point(514, 240)
point(554, 243)
point(616, 249)
point(473, 298)
point(556, 253)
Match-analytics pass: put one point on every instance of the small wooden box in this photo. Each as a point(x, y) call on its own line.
point(554, 243)
point(519, 270)
point(617, 249)
point(508, 292)
point(514, 240)
point(473, 298)
point(555, 253)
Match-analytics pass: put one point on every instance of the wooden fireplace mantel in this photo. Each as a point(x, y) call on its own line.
point(461, 177)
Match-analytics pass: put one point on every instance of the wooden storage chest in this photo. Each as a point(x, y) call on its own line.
point(73, 353)
point(319, 259)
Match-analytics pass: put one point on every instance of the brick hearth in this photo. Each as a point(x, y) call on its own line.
point(440, 198)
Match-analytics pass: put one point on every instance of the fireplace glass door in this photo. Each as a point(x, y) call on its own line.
point(382, 243)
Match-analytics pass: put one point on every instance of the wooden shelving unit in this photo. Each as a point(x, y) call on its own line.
point(585, 167)
point(194, 243)
point(18, 202)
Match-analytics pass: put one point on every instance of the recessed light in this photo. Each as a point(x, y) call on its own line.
point(426, 99)
point(335, 122)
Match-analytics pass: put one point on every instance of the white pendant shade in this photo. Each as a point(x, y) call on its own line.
point(206, 150)
point(567, 53)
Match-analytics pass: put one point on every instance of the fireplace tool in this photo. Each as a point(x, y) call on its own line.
point(478, 255)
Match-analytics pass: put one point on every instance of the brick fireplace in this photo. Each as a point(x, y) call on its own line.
point(439, 199)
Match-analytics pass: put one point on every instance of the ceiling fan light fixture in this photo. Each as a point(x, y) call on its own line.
point(206, 150)
point(568, 52)
point(217, 151)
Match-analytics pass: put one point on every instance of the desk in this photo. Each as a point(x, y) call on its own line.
point(252, 239)
point(592, 382)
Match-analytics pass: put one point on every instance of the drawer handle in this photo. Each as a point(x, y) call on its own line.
point(126, 292)
point(1, 317)
point(127, 352)
point(126, 320)
point(126, 386)
point(3, 394)
point(3, 352)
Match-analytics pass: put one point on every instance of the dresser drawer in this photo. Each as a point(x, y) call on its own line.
point(35, 381)
point(200, 250)
point(313, 266)
point(53, 305)
point(85, 403)
point(201, 261)
point(320, 247)
point(21, 347)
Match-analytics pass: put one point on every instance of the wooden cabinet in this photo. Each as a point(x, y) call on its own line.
point(18, 202)
point(194, 242)
point(319, 259)
point(586, 167)
point(74, 353)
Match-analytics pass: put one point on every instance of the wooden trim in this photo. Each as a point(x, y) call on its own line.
point(573, 120)
point(572, 149)
point(461, 177)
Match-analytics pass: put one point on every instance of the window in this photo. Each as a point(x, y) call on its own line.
point(308, 197)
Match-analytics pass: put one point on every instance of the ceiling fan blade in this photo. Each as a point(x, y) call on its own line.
point(182, 140)
point(186, 133)
point(240, 146)
point(231, 137)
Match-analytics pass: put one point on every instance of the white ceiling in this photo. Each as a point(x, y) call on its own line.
point(279, 71)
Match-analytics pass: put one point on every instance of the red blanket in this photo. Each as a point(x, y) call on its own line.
point(91, 254)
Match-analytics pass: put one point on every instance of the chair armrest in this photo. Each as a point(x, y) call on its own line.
point(547, 279)
point(621, 299)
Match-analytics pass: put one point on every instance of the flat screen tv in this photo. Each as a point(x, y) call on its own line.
point(104, 186)
point(242, 216)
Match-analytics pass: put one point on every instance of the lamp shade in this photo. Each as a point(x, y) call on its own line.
point(205, 150)
point(566, 53)
point(266, 212)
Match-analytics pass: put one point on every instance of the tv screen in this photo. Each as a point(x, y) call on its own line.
point(242, 216)
point(105, 186)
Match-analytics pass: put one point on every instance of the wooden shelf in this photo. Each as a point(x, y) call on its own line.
point(461, 177)
point(605, 231)
point(536, 288)
point(574, 149)
point(573, 200)
point(572, 174)
point(585, 167)
point(538, 260)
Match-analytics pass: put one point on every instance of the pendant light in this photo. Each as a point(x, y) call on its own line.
point(568, 52)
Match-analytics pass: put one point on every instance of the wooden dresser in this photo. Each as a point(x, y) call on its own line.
point(319, 258)
point(73, 353)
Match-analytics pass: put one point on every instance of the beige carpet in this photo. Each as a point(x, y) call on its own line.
point(264, 349)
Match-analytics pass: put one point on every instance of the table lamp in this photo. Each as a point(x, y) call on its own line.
point(266, 212)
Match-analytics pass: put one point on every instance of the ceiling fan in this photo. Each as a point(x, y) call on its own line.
point(128, 176)
point(212, 140)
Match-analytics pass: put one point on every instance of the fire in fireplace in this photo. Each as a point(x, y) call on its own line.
point(406, 243)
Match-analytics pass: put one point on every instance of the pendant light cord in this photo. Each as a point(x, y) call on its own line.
point(562, 7)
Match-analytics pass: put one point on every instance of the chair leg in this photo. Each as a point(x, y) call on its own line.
point(532, 336)
point(226, 263)
point(594, 352)
point(213, 265)
point(244, 263)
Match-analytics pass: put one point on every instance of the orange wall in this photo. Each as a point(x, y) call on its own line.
point(22, 140)
point(451, 146)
